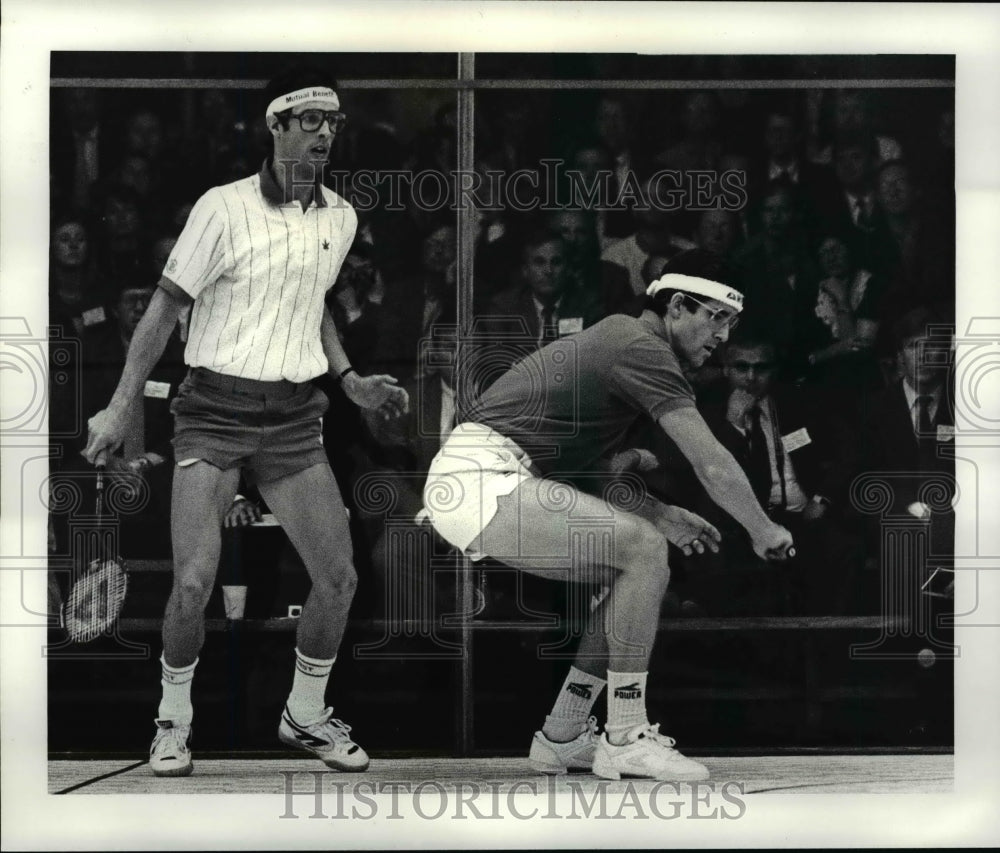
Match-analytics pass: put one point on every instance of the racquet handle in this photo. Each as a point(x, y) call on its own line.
point(99, 487)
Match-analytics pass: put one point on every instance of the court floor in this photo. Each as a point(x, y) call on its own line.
point(758, 775)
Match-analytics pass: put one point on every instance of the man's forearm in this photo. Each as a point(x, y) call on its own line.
point(337, 360)
point(729, 487)
point(148, 343)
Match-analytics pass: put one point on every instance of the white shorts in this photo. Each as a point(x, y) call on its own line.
point(474, 467)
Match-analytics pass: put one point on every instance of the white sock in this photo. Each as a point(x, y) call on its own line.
point(626, 703)
point(573, 705)
point(307, 701)
point(176, 702)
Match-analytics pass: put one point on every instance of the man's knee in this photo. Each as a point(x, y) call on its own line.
point(640, 547)
point(336, 580)
point(191, 592)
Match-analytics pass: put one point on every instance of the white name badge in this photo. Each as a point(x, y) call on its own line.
point(570, 325)
point(945, 432)
point(93, 316)
point(795, 440)
point(159, 390)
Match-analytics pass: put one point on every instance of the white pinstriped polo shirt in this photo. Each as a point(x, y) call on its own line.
point(258, 270)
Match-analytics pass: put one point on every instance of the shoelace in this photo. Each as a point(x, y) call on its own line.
point(179, 741)
point(337, 729)
point(653, 734)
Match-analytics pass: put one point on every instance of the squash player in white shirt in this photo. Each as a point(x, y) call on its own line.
point(254, 263)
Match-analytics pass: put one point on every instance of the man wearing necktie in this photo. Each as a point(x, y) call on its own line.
point(909, 428)
point(794, 459)
point(542, 308)
point(909, 441)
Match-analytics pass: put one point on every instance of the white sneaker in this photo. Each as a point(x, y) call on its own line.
point(547, 756)
point(327, 739)
point(169, 755)
point(646, 754)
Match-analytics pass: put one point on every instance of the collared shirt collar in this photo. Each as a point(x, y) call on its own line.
point(776, 171)
point(911, 395)
point(274, 194)
point(540, 306)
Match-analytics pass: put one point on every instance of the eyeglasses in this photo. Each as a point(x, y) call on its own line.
point(717, 316)
point(312, 120)
point(747, 366)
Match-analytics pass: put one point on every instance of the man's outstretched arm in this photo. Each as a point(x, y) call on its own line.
point(106, 429)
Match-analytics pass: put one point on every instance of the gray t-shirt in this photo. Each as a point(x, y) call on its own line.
point(572, 402)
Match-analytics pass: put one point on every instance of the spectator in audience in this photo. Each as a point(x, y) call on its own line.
point(542, 307)
point(849, 207)
point(779, 277)
point(783, 159)
point(849, 114)
point(614, 129)
point(590, 161)
point(850, 304)
point(796, 457)
point(919, 250)
point(698, 150)
point(592, 277)
point(412, 314)
point(937, 167)
point(75, 301)
point(718, 233)
point(653, 236)
point(414, 336)
point(908, 431)
point(496, 239)
point(737, 167)
point(512, 143)
point(121, 248)
point(700, 146)
point(134, 173)
point(79, 156)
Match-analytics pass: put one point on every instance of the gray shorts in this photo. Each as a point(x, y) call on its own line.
point(270, 429)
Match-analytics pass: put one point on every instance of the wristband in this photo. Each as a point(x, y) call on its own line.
point(344, 372)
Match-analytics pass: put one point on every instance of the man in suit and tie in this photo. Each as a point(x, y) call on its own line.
point(795, 457)
point(541, 308)
point(782, 160)
point(909, 427)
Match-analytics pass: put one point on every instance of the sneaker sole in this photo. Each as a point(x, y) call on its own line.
point(617, 775)
point(187, 770)
point(548, 769)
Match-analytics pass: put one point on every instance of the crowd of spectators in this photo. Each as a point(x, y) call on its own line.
point(834, 216)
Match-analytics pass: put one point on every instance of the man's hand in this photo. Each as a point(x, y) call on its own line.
point(774, 544)
point(105, 434)
point(814, 511)
point(241, 513)
point(377, 392)
point(624, 460)
point(689, 532)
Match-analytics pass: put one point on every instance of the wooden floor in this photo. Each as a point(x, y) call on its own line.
point(806, 774)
